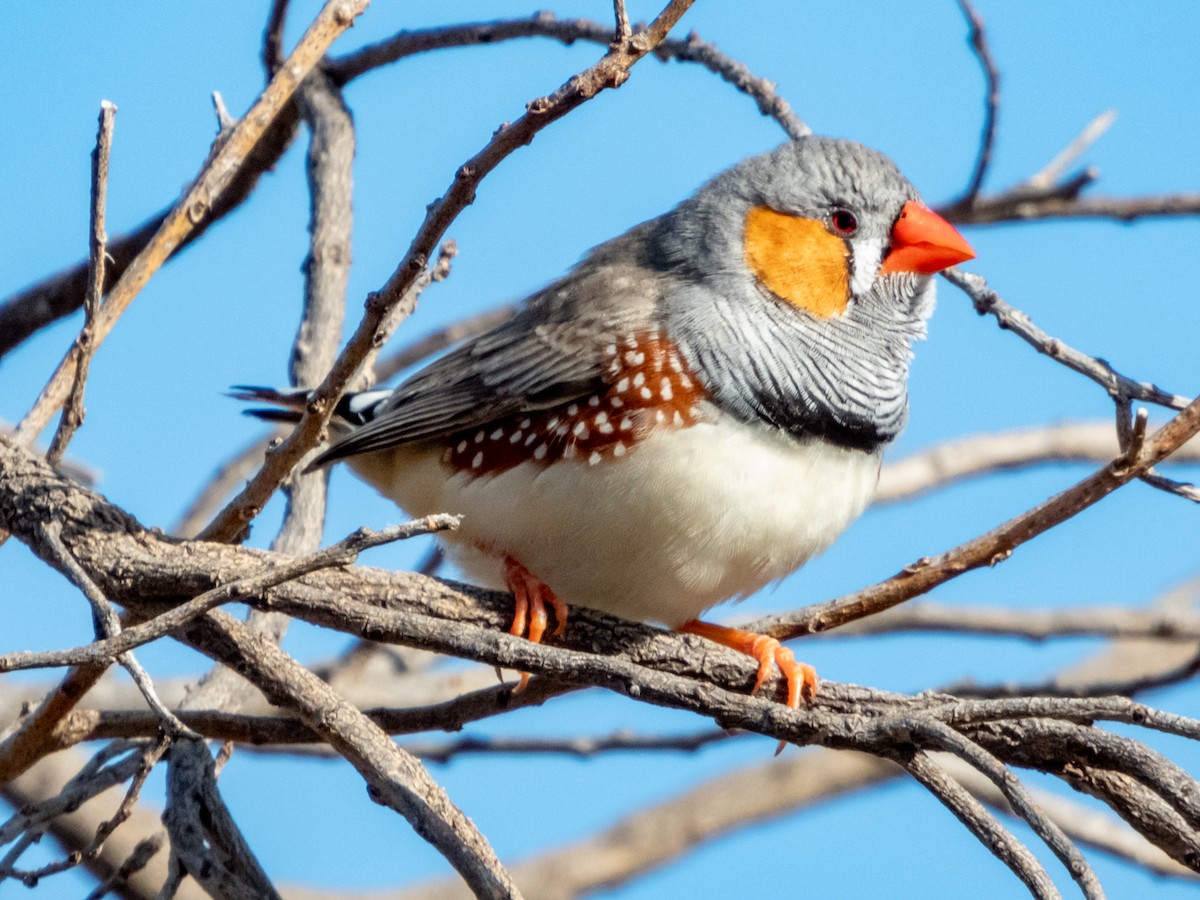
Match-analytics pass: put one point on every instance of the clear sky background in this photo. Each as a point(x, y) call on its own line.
point(899, 77)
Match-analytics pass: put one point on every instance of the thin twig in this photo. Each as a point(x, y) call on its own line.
point(991, 77)
point(214, 177)
point(622, 17)
point(108, 625)
point(998, 839)
point(85, 343)
point(272, 49)
point(1027, 624)
point(146, 762)
point(1049, 176)
point(991, 548)
point(691, 49)
point(344, 552)
point(1119, 387)
point(1022, 803)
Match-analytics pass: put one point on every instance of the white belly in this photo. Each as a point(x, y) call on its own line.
point(685, 520)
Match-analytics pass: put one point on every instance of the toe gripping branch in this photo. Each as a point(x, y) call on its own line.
point(532, 597)
point(801, 677)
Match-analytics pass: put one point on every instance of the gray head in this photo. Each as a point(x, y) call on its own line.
point(806, 276)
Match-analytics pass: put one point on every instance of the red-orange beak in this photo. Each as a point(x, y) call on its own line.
point(922, 241)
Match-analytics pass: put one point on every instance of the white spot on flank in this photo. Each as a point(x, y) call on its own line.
point(684, 381)
point(611, 349)
point(593, 401)
point(601, 418)
point(616, 402)
point(619, 449)
point(573, 409)
point(580, 430)
point(529, 440)
point(660, 416)
point(606, 428)
point(560, 430)
point(594, 458)
point(462, 447)
point(626, 423)
point(479, 437)
point(622, 385)
point(497, 434)
point(569, 451)
point(516, 437)
point(677, 419)
point(525, 423)
point(631, 341)
point(666, 391)
point(477, 461)
point(673, 362)
point(647, 393)
point(639, 379)
point(540, 452)
point(553, 421)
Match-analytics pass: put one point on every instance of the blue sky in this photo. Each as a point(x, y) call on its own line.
point(899, 77)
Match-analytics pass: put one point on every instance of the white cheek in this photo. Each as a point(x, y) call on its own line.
point(868, 255)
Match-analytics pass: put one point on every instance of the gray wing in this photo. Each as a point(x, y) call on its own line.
point(553, 351)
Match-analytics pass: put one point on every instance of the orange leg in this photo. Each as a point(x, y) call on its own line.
point(532, 597)
point(801, 677)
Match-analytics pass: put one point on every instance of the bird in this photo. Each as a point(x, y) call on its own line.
point(693, 412)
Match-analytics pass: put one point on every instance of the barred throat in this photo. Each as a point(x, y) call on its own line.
point(843, 379)
point(646, 387)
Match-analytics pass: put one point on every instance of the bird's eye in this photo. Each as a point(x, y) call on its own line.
point(843, 222)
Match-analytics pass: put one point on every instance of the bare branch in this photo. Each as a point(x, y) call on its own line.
point(214, 177)
point(1029, 624)
point(1003, 208)
point(121, 641)
point(973, 456)
point(204, 837)
point(982, 824)
point(272, 49)
point(108, 625)
point(544, 24)
point(85, 343)
point(1057, 168)
point(991, 77)
point(1119, 387)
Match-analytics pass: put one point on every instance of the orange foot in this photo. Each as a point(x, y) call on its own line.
point(801, 677)
point(532, 598)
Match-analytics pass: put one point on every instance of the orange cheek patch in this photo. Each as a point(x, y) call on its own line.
point(798, 260)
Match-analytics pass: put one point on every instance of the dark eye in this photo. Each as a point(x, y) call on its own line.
point(843, 222)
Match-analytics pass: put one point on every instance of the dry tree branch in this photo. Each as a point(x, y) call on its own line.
point(545, 24)
point(85, 344)
point(1009, 318)
point(214, 177)
point(610, 72)
point(998, 839)
point(272, 49)
point(108, 625)
point(634, 660)
point(993, 547)
point(205, 841)
point(343, 553)
point(1029, 624)
point(35, 307)
point(991, 76)
point(977, 455)
point(146, 760)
